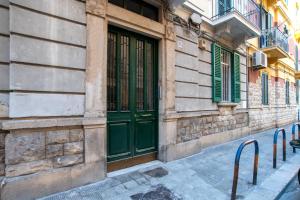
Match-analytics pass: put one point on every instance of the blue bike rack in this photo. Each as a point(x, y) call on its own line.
point(294, 133)
point(237, 165)
point(275, 146)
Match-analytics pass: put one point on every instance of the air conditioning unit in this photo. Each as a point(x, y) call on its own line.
point(259, 60)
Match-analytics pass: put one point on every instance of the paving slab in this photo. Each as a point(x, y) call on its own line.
point(207, 175)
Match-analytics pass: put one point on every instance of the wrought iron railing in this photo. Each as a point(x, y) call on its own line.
point(274, 37)
point(246, 8)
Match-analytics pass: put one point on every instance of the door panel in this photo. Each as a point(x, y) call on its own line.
point(119, 137)
point(145, 139)
point(131, 94)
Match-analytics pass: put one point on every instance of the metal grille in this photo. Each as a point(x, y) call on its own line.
point(124, 62)
point(226, 76)
point(247, 8)
point(150, 76)
point(140, 75)
point(111, 72)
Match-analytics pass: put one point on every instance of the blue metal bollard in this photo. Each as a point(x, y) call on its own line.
point(237, 165)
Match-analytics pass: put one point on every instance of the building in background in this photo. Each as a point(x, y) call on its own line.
point(272, 87)
point(92, 86)
point(296, 17)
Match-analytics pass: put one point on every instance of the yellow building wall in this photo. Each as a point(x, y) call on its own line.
point(282, 68)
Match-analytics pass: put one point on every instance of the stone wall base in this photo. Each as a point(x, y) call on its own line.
point(45, 183)
point(184, 149)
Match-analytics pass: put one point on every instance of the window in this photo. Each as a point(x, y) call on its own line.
point(264, 89)
point(226, 78)
point(266, 26)
point(297, 91)
point(226, 84)
point(264, 19)
point(224, 6)
point(139, 7)
point(287, 92)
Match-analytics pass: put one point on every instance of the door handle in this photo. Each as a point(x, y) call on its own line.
point(146, 115)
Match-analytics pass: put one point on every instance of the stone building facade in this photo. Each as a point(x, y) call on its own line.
point(56, 128)
point(281, 68)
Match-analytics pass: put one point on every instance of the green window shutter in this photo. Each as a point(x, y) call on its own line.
point(287, 92)
point(263, 88)
point(235, 79)
point(270, 20)
point(216, 73)
point(286, 96)
point(297, 91)
point(267, 89)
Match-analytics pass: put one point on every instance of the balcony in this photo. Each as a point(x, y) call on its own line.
point(274, 43)
point(238, 19)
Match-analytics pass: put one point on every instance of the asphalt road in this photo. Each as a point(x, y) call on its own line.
point(292, 192)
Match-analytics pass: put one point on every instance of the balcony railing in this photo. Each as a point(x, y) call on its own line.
point(246, 8)
point(274, 38)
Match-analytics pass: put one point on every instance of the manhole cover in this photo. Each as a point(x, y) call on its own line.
point(157, 172)
point(159, 193)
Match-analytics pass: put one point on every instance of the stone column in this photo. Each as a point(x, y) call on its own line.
point(168, 131)
point(96, 58)
point(95, 110)
point(170, 88)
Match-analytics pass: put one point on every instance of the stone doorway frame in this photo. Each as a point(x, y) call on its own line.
point(100, 13)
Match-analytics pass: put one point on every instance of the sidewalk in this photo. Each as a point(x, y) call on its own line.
point(206, 176)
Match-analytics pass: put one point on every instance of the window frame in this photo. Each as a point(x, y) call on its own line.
point(264, 12)
point(142, 4)
point(216, 72)
point(229, 80)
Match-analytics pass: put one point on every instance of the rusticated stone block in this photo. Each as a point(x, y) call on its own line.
point(2, 155)
point(27, 168)
point(96, 7)
point(54, 150)
point(24, 147)
point(2, 169)
point(73, 148)
point(57, 137)
point(68, 160)
point(2, 140)
point(76, 135)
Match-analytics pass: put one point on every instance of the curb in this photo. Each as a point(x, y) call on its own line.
point(272, 188)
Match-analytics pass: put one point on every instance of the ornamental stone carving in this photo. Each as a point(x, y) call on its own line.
point(96, 7)
point(170, 31)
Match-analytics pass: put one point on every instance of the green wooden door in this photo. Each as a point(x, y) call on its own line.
point(131, 94)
